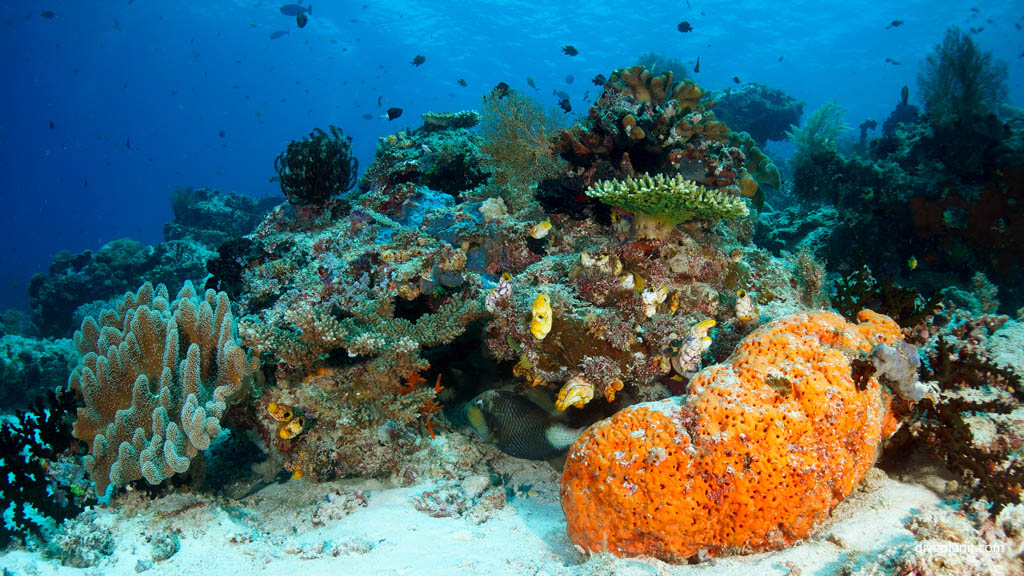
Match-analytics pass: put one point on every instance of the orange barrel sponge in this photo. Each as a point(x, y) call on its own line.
point(751, 459)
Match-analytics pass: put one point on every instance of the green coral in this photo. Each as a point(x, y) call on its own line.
point(670, 199)
point(819, 134)
point(156, 377)
point(758, 163)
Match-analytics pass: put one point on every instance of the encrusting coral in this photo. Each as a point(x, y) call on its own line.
point(156, 377)
point(752, 459)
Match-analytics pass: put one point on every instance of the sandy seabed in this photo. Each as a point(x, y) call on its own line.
point(477, 525)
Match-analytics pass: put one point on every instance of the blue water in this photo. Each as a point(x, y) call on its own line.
point(138, 92)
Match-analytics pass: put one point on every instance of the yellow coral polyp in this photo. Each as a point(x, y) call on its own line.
point(540, 325)
point(576, 392)
point(280, 412)
point(611, 389)
point(292, 428)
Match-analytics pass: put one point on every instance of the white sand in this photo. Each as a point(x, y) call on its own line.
point(302, 528)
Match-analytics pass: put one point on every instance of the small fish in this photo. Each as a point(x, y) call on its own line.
point(277, 34)
point(912, 263)
point(48, 14)
point(517, 426)
point(780, 58)
point(301, 20)
point(379, 101)
point(891, 61)
point(736, 255)
point(292, 428)
point(599, 80)
point(977, 30)
point(684, 27)
point(418, 60)
point(736, 79)
point(531, 83)
point(295, 10)
point(540, 230)
point(51, 125)
point(221, 133)
point(569, 79)
point(894, 24)
point(696, 69)
point(394, 113)
point(462, 82)
point(565, 105)
point(570, 50)
point(128, 143)
point(367, 116)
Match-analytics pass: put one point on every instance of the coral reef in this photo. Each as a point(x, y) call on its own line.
point(75, 280)
point(447, 159)
point(82, 542)
point(156, 377)
point(861, 290)
point(30, 367)
point(752, 459)
point(972, 422)
point(648, 123)
point(316, 168)
point(762, 111)
point(959, 82)
point(211, 217)
point(945, 183)
point(203, 221)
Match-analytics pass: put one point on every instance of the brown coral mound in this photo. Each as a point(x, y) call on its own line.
point(156, 377)
point(752, 459)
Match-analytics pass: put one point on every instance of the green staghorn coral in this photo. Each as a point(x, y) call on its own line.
point(156, 376)
point(668, 199)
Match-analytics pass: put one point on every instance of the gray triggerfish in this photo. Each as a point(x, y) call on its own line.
point(517, 426)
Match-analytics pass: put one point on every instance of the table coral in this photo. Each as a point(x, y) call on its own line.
point(672, 199)
point(156, 376)
point(752, 459)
